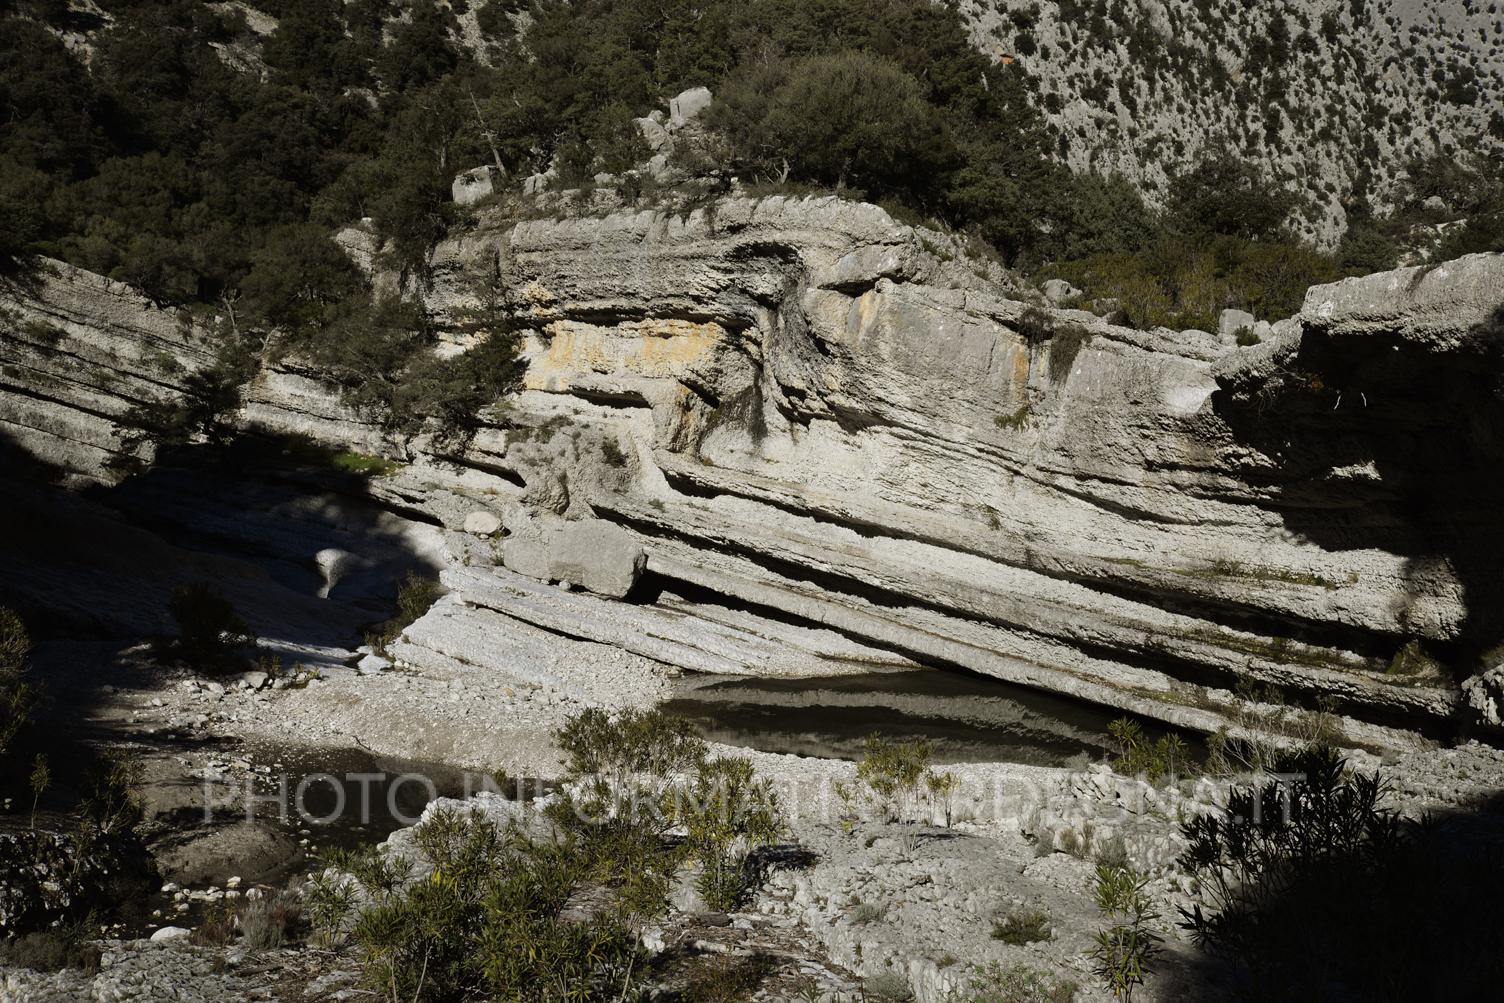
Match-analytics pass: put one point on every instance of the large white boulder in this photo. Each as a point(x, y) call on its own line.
point(482, 523)
point(687, 106)
point(475, 184)
point(594, 554)
point(1233, 321)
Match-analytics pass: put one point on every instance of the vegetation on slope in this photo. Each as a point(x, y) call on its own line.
point(204, 153)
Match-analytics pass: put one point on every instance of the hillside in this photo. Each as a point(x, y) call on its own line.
point(1332, 99)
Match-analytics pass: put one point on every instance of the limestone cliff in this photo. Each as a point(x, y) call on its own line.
point(802, 434)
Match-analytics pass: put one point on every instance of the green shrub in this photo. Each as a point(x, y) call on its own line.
point(849, 118)
point(1127, 948)
point(415, 595)
point(720, 978)
point(622, 774)
point(1315, 881)
point(1164, 758)
point(270, 921)
point(211, 635)
point(1227, 197)
point(867, 912)
point(1185, 282)
point(888, 987)
point(727, 813)
point(487, 922)
point(1015, 983)
point(18, 697)
point(52, 951)
point(364, 464)
point(1022, 927)
point(612, 453)
point(1065, 345)
point(892, 772)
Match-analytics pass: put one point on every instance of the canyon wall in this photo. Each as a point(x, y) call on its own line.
point(795, 435)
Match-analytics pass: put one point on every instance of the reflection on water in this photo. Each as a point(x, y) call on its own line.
point(968, 718)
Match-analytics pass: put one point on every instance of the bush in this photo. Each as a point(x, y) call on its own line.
point(1226, 197)
point(50, 879)
point(268, 922)
point(1186, 282)
point(888, 987)
point(1127, 948)
point(1022, 927)
point(847, 119)
point(487, 923)
point(1315, 882)
point(415, 596)
point(1016, 983)
point(727, 813)
point(52, 951)
point(17, 696)
point(620, 800)
point(892, 772)
point(1163, 759)
point(211, 635)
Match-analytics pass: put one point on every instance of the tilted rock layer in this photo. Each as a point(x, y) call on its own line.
point(817, 423)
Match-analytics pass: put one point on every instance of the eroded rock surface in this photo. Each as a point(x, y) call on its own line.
point(822, 419)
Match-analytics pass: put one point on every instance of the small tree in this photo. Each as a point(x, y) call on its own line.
point(17, 696)
point(210, 633)
point(1127, 948)
point(893, 771)
point(727, 813)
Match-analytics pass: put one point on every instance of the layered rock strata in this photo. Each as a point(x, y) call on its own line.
point(807, 417)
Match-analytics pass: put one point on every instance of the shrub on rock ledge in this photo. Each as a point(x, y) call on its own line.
point(211, 635)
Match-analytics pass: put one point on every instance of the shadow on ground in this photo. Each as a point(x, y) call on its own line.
point(1416, 921)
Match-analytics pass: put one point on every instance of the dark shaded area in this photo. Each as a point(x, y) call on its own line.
point(249, 518)
point(969, 718)
point(1359, 904)
point(92, 572)
point(1431, 423)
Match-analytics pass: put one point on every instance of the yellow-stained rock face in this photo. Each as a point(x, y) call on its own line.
point(654, 348)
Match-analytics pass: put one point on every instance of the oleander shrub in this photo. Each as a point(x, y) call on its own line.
point(1156, 760)
point(211, 636)
point(416, 594)
point(486, 922)
point(727, 814)
point(1128, 947)
point(18, 697)
point(1313, 887)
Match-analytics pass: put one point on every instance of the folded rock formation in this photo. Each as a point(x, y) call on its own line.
point(802, 416)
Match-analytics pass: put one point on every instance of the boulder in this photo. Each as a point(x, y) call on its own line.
point(1057, 291)
point(594, 554)
point(1233, 321)
point(528, 555)
point(333, 563)
point(251, 850)
point(687, 106)
point(653, 133)
point(475, 184)
point(372, 665)
point(482, 523)
point(658, 166)
point(1483, 698)
point(170, 933)
point(535, 184)
point(599, 556)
